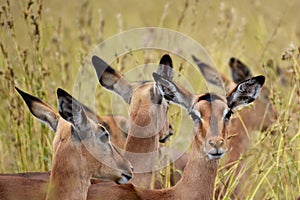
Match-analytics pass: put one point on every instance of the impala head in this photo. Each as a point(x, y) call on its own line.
point(79, 143)
point(264, 110)
point(263, 113)
point(92, 142)
point(210, 112)
point(148, 108)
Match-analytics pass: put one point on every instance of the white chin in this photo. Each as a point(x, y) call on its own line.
point(123, 180)
point(215, 157)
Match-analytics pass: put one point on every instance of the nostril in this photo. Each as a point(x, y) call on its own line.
point(221, 142)
point(132, 169)
point(212, 143)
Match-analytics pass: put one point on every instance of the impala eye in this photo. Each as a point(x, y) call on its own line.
point(104, 137)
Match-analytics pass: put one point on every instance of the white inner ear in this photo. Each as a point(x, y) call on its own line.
point(159, 89)
point(46, 123)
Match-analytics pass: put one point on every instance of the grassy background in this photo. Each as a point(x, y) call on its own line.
point(43, 44)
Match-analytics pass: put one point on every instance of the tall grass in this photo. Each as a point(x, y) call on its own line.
point(43, 44)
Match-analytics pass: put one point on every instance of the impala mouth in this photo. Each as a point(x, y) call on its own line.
point(215, 156)
point(125, 178)
point(166, 139)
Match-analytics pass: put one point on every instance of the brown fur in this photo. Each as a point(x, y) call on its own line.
point(260, 116)
point(199, 175)
point(80, 153)
point(148, 121)
point(200, 172)
point(148, 116)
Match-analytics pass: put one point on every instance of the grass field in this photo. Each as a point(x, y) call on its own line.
point(44, 43)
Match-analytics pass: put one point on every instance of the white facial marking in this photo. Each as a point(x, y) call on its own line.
point(159, 89)
point(226, 110)
point(197, 113)
point(123, 180)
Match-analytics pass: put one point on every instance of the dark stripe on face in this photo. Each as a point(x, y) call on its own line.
point(210, 97)
point(213, 123)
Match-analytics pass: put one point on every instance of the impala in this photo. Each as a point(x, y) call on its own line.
point(211, 115)
point(258, 117)
point(117, 126)
point(82, 150)
point(148, 116)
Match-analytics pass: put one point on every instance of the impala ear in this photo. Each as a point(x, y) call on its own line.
point(71, 110)
point(239, 71)
point(40, 110)
point(91, 114)
point(210, 74)
point(245, 92)
point(173, 92)
point(165, 68)
point(111, 79)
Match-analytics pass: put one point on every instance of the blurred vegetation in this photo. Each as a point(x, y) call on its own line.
point(44, 43)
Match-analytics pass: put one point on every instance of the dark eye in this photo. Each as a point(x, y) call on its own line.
point(105, 137)
point(228, 115)
point(102, 129)
point(104, 134)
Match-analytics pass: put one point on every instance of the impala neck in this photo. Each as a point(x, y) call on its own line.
point(142, 145)
point(142, 154)
point(199, 175)
point(68, 180)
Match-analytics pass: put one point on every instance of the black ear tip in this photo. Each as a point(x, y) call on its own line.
point(166, 60)
point(19, 91)
point(60, 92)
point(166, 57)
point(98, 62)
point(95, 59)
point(23, 94)
point(29, 99)
point(101, 66)
point(195, 58)
point(232, 60)
point(260, 79)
